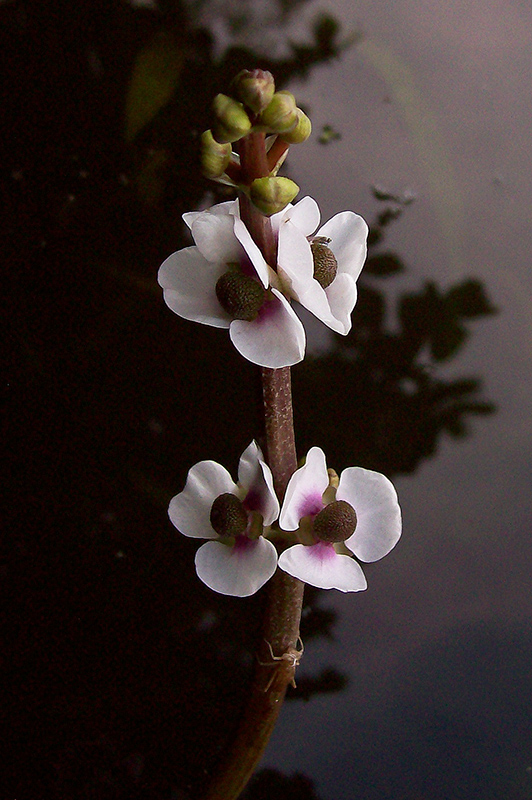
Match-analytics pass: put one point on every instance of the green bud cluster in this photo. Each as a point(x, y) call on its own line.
point(228, 515)
point(271, 195)
point(231, 120)
point(214, 156)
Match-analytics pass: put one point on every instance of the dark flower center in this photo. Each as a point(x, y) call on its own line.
point(336, 522)
point(325, 263)
point(240, 295)
point(228, 515)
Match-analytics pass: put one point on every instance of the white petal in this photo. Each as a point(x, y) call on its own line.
point(255, 255)
point(296, 270)
point(188, 281)
point(342, 297)
point(190, 510)
point(305, 215)
point(348, 233)
point(319, 565)
point(215, 238)
point(374, 499)
point(238, 570)
point(230, 207)
point(255, 477)
point(275, 339)
point(304, 491)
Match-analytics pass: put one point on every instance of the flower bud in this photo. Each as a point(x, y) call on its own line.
point(214, 156)
point(255, 88)
point(271, 195)
point(240, 295)
point(228, 516)
point(325, 263)
point(280, 115)
point(231, 119)
point(336, 522)
point(301, 131)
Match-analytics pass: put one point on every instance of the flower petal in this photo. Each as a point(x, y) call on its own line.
point(304, 491)
point(215, 238)
point(348, 233)
point(374, 499)
point(321, 566)
point(239, 570)
point(222, 209)
point(305, 215)
point(188, 281)
point(257, 259)
point(342, 296)
point(255, 477)
point(190, 510)
point(275, 339)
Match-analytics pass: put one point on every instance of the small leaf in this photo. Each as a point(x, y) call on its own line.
point(469, 300)
point(154, 78)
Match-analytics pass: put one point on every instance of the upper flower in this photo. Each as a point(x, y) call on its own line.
point(319, 268)
point(359, 512)
point(224, 281)
point(238, 560)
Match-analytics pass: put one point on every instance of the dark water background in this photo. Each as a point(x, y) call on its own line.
point(122, 672)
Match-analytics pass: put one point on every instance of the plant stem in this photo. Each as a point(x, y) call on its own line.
point(282, 614)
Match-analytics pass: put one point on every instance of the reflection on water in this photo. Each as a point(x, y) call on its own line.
point(131, 668)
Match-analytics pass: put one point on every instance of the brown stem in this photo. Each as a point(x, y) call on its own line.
point(277, 655)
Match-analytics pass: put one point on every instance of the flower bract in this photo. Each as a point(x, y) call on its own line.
point(327, 563)
point(239, 564)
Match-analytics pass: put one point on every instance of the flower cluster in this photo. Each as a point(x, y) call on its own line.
point(223, 280)
point(325, 521)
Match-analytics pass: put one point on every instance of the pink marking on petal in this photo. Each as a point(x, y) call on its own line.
point(310, 506)
point(253, 500)
point(243, 544)
point(323, 551)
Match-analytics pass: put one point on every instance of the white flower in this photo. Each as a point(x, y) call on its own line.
point(275, 337)
point(369, 534)
point(347, 240)
point(235, 562)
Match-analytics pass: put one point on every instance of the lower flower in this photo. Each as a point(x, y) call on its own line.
point(356, 514)
point(237, 560)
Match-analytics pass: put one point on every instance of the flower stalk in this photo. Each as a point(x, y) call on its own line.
point(282, 614)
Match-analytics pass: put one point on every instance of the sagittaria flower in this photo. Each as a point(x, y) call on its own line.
point(237, 560)
point(224, 281)
point(358, 514)
point(319, 267)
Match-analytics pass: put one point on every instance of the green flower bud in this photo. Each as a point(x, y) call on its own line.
point(231, 119)
point(325, 263)
point(214, 156)
point(271, 195)
point(280, 115)
point(302, 129)
point(336, 522)
point(240, 295)
point(228, 515)
point(255, 88)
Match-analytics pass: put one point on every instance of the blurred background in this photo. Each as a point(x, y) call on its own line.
point(122, 674)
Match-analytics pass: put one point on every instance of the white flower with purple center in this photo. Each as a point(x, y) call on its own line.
point(224, 281)
point(319, 267)
point(237, 560)
point(358, 514)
